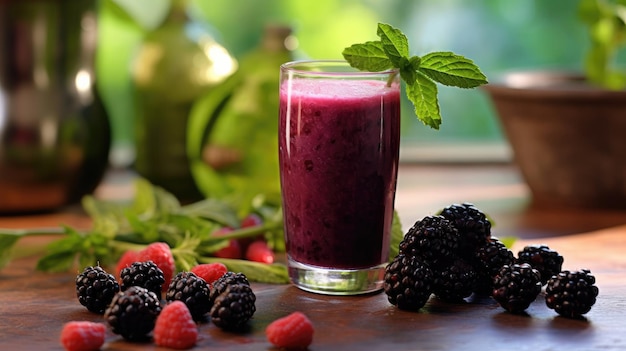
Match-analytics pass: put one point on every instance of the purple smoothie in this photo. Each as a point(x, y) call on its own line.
point(339, 145)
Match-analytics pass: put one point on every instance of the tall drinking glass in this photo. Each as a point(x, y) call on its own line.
point(339, 136)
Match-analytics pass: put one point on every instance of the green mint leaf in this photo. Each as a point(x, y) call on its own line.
point(274, 273)
point(368, 56)
point(420, 74)
point(451, 69)
point(395, 44)
point(62, 253)
point(423, 94)
point(7, 241)
point(396, 236)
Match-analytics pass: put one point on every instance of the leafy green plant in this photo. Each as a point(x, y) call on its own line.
point(155, 215)
point(606, 22)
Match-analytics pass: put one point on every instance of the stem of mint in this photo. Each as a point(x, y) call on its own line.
point(419, 73)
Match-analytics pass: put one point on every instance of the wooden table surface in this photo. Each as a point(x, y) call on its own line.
point(34, 305)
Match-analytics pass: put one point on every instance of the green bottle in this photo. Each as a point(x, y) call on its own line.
point(175, 64)
point(233, 131)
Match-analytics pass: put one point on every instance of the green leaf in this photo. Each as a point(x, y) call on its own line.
point(274, 273)
point(212, 209)
point(423, 95)
point(450, 69)
point(396, 236)
point(418, 73)
point(368, 56)
point(7, 241)
point(394, 43)
point(62, 253)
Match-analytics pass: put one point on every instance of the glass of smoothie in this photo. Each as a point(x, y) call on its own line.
point(339, 136)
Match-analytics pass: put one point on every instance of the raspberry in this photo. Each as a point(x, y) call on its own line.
point(175, 327)
point(294, 331)
point(232, 250)
point(83, 336)
point(95, 289)
point(161, 255)
point(128, 258)
point(258, 251)
point(251, 220)
point(193, 291)
point(210, 272)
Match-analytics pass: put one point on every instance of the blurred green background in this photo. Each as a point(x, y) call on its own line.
point(499, 35)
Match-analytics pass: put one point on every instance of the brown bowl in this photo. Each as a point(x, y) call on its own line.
point(567, 136)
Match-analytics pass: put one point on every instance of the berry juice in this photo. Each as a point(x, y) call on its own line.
point(339, 145)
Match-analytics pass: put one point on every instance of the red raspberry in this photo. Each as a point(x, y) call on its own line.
point(294, 331)
point(175, 328)
point(82, 336)
point(233, 250)
point(210, 272)
point(251, 220)
point(161, 255)
point(128, 258)
point(258, 251)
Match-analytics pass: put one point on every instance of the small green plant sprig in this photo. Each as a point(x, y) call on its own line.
point(420, 74)
point(606, 23)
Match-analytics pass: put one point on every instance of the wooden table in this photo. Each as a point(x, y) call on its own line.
point(34, 305)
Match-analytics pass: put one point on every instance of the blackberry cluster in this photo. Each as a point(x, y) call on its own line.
point(233, 307)
point(571, 294)
point(516, 286)
point(458, 249)
point(193, 291)
point(488, 260)
point(455, 281)
point(95, 288)
point(473, 225)
point(232, 301)
point(133, 313)
point(144, 274)
point(433, 238)
point(547, 261)
point(408, 282)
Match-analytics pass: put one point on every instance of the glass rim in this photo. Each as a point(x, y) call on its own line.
point(292, 66)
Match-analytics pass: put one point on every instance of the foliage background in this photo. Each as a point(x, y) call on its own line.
point(499, 35)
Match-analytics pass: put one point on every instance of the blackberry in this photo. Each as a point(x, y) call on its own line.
point(473, 225)
point(133, 313)
point(229, 278)
point(547, 261)
point(516, 286)
point(233, 307)
point(488, 260)
point(408, 282)
point(144, 274)
point(434, 238)
point(455, 281)
point(95, 288)
point(571, 294)
point(193, 291)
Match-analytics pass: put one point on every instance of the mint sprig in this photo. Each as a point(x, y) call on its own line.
point(420, 74)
